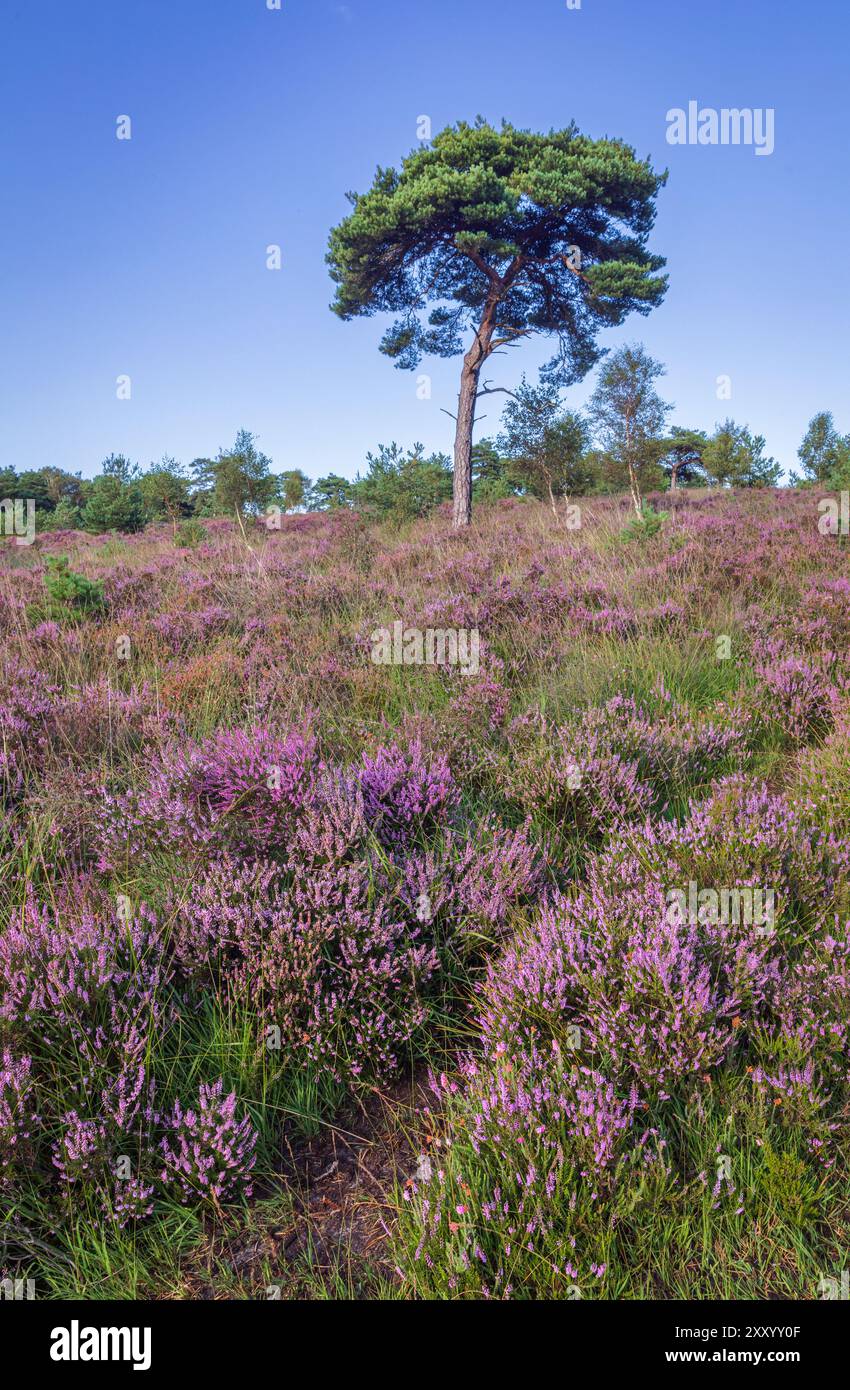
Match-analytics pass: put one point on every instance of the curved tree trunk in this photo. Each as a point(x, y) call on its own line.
point(463, 445)
point(469, 378)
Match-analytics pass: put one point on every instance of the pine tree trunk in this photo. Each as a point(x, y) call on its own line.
point(472, 364)
point(463, 445)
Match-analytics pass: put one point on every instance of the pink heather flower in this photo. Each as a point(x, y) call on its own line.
point(17, 1119)
point(403, 794)
point(207, 1152)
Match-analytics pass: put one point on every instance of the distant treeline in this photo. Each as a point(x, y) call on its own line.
point(542, 452)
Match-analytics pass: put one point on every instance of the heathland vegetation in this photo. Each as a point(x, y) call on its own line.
point(425, 910)
point(262, 894)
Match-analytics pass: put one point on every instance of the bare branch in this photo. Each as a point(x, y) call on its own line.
point(488, 390)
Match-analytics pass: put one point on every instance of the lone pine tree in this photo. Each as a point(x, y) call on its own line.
point(501, 233)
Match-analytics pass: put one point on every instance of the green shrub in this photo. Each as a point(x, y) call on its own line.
point(190, 534)
point(785, 1181)
point(70, 595)
point(644, 527)
point(113, 505)
point(66, 516)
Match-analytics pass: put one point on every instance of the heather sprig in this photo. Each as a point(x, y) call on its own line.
point(208, 1153)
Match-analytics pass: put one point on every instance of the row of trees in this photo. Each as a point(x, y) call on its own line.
point(239, 483)
point(621, 442)
point(124, 497)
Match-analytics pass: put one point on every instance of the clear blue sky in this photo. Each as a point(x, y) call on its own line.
point(148, 257)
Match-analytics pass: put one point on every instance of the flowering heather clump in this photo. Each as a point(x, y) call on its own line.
point(26, 714)
point(553, 772)
point(237, 790)
point(86, 1154)
point(809, 1027)
point(16, 1116)
point(403, 795)
point(86, 981)
point(472, 886)
point(344, 982)
point(653, 998)
point(86, 991)
point(744, 834)
point(225, 910)
point(561, 1106)
point(259, 780)
point(367, 1002)
point(79, 1153)
point(540, 1146)
point(795, 696)
point(164, 812)
point(611, 1008)
point(131, 1202)
point(207, 1152)
point(670, 748)
point(616, 763)
point(495, 873)
point(332, 827)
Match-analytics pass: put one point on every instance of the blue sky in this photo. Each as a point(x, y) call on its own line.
point(147, 257)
